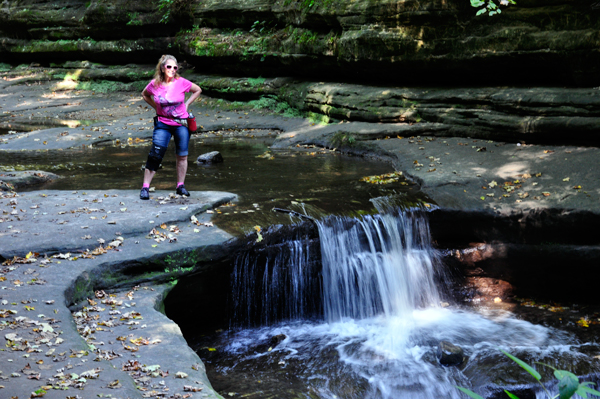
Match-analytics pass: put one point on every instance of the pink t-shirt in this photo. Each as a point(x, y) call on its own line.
point(170, 100)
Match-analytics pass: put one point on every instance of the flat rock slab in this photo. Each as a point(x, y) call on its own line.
point(131, 350)
point(467, 174)
point(62, 221)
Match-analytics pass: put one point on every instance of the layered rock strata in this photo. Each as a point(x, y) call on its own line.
point(391, 42)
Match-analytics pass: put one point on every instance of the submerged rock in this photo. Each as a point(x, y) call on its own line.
point(210, 157)
point(449, 354)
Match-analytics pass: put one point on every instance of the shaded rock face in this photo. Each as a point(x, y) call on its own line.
point(390, 41)
point(512, 114)
point(548, 254)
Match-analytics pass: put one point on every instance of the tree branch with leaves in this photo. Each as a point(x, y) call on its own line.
point(489, 6)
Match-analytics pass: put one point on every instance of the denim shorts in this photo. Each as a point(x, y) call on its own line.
point(163, 132)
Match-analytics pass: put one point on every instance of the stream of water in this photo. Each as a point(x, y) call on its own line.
point(362, 321)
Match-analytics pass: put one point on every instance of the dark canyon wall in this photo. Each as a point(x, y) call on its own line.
point(391, 42)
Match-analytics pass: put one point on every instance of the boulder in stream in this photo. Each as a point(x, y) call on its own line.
point(449, 354)
point(11, 180)
point(210, 157)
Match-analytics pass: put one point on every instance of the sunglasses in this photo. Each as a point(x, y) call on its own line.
point(175, 67)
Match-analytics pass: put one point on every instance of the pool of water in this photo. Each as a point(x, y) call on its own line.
point(386, 358)
point(308, 180)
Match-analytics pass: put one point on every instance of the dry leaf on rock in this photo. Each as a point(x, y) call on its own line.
point(131, 348)
point(189, 388)
point(114, 384)
point(140, 341)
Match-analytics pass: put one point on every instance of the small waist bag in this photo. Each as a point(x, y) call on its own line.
point(189, 122)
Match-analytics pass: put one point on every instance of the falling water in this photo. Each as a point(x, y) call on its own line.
point(381, 264)
point(276, 282)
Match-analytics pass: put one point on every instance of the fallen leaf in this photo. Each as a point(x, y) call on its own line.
point(131, 348)
point(139, 341)
point(40, 392)
point(583, 322)
point(114, 384)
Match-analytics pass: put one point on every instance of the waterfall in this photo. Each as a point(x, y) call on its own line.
point(379, 264)
point(276, 282)
point(373, 284)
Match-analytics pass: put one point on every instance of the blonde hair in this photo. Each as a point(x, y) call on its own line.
point(159, 74)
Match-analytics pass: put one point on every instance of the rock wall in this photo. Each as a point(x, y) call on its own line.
point(528, 115)
point(389, 42)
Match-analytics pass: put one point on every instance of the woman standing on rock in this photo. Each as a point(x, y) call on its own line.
point(166, 94)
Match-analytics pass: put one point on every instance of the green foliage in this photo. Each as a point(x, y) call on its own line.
point(256, 82)
point(134, 19)
point(109, 86)
point(178, 269)
point(310, 4)
point(170, 8)
point(489, 6)
point(318, 118)
point(270, 102)
point(301, 36)
point(568, 383)
point(342, 138)
point(524, 366)
point(4, 67)
point(470, 393)
point(263, 27)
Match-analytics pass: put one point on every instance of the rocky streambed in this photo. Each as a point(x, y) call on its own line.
point(512, 205)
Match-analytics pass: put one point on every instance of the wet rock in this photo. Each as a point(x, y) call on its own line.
point(4, 186)
point(449, 354)
point(210, 157)
point(11, 180)
point(270, 343)
point(277, 339)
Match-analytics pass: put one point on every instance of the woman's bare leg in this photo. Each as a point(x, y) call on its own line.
point(182, 165)
point(148, 175)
